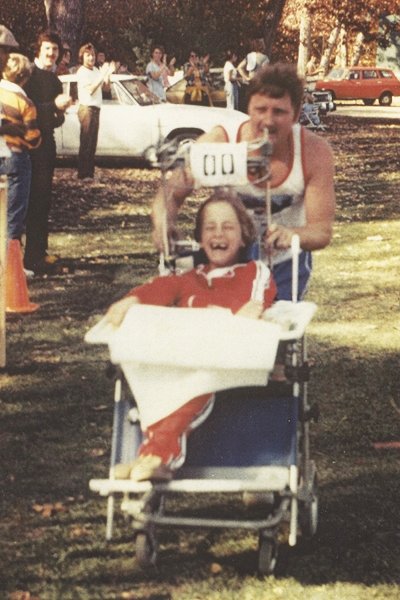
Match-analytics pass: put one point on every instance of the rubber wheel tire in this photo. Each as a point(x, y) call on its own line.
point(184, 140)
point(368, 101)
point(385, 99)
point(309, 514)
point(146, 554)
point(267, 556)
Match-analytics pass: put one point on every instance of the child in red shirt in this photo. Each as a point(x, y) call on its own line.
point(224, 230)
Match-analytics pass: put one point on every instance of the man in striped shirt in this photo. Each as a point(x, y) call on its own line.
point(8, 43)
point(16, 108)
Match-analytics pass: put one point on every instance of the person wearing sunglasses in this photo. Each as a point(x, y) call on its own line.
point(195, 72)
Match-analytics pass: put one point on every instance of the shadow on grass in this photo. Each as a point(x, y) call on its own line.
point(57, 437)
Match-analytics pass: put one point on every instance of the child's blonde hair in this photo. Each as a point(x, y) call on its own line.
point(18, 68)
point(246, 223)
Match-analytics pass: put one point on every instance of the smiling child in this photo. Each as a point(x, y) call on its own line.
point(225, 279)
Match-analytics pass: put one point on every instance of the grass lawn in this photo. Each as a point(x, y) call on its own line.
point(56, 404)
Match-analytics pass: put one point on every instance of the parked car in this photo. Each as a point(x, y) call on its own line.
point(361, 83)
point(323, 101)
point(176, 92)
point(134, 121)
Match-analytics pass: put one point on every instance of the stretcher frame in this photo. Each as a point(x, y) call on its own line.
point(294, 486)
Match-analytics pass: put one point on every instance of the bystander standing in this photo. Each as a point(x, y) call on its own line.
point(90, 82)
point(45, 89)
point(158, 71)
point(63, 67)
point(18, 109)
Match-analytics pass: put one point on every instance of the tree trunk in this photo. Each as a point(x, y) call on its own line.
point(273, 13)
point(325, 60)
point(304, 42)
point(67, 18)
point(358, 44)
point(341, 55)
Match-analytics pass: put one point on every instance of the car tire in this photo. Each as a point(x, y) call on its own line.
point(368, 101)
point(184, 138)
point(385, 99)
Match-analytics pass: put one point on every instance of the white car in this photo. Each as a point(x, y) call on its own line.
point(133, 120)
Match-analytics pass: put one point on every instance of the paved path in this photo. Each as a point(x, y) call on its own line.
point(358, 109)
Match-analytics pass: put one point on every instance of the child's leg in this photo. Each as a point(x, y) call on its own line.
point(167, 438)
point(164, 448)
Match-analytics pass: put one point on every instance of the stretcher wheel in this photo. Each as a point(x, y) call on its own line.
point(145, 549)
point(309, 513)
point(267, 555)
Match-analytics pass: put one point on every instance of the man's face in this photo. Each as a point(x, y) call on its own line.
point(101, 58)
point(48, 55)
point(88, 59)
point(276, 115)
point(66, 56)
point(157, 55)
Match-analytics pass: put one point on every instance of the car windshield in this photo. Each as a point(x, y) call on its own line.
point(140, 92)
point(337, 74)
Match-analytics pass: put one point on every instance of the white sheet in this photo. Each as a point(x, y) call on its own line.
point(171, 355)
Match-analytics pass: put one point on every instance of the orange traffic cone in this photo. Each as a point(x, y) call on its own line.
point(17, 298)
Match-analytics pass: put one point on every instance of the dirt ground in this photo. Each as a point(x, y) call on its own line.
point(56, 403)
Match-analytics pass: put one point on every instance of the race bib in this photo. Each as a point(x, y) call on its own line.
point(219, 164)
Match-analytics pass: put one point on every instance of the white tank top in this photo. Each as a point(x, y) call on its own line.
point(287, 198)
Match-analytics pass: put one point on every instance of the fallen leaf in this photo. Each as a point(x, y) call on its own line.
point(22, 595)
point(386, 445)
point(47, 509)
point(96, 452)
point(215, 568)
point(36, 534)
point(79, 532)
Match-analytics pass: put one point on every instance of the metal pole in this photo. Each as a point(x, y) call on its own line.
point(295, 245)
point(3, 259)
point(268, 210)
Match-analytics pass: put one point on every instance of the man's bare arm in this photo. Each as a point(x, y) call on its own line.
point(319, 201)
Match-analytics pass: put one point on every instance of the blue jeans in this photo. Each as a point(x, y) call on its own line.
point(18, 169)
point(283, 276)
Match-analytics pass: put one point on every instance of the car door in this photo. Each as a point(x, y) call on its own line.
point(371, 83)
point(126, 128)
point(67, 136)
point(350, 86)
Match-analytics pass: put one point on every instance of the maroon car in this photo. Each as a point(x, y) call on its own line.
point(361, 83)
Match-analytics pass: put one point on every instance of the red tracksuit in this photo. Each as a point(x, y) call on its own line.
point(228, 287)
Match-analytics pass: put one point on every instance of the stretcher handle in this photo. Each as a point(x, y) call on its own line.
point(295, 247)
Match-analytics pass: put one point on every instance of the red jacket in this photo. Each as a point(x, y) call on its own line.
point(229, 287)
